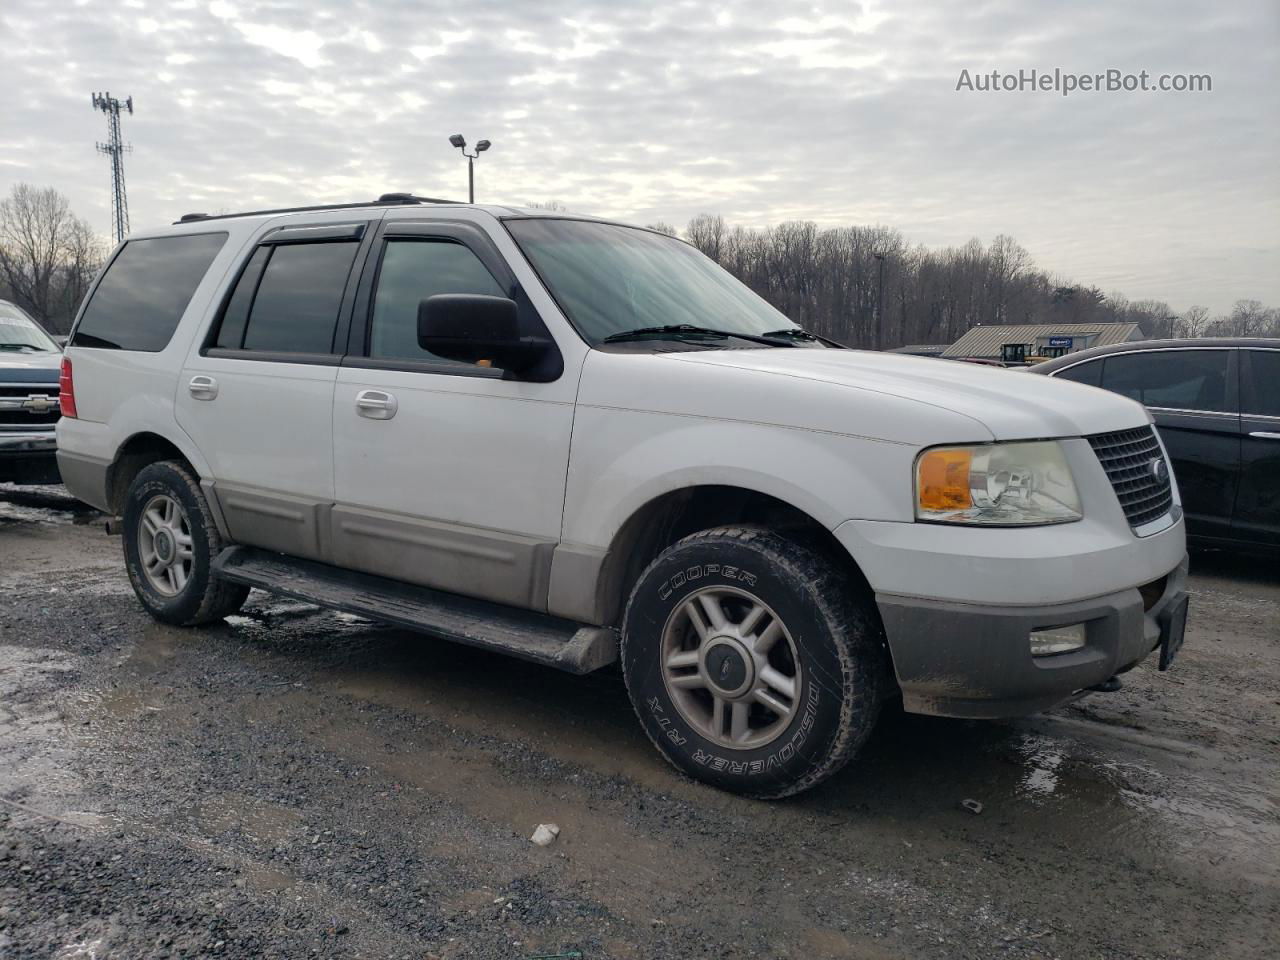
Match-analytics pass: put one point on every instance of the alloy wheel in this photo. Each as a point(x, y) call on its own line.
point(731, 667)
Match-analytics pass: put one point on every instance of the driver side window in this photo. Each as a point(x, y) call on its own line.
point(411, 271)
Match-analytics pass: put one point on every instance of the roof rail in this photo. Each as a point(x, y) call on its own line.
point(386, 200)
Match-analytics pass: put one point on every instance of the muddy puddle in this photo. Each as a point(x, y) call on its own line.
point(42, 504)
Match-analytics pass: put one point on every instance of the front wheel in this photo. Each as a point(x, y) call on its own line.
point(752, 661)
point(170, 542)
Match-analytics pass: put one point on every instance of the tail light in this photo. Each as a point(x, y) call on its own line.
point(66, 389)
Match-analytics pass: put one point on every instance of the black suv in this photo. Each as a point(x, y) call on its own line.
point(1217, 404)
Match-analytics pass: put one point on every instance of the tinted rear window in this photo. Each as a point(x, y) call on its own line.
point(296, 306)
point(145, 291)
point(1174, 379)
point(236, 314)
point(1087, 373)
point(1264, 399)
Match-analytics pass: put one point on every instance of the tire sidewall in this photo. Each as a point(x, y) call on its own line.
point(162, 478)
point(811, 736)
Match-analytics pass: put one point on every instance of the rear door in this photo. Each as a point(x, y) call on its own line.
point(1257, 515)
point(1193, 396)
point(257, 394)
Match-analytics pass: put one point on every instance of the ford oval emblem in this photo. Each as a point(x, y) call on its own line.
point(1159, 470)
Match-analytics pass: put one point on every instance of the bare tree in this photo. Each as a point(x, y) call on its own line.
point(1194, 322)
point(1249, 318)
point(828, 280)
point(85, 252)
point(33, 223)
point(1008, 261)
point(707, 234)
point(48, 255)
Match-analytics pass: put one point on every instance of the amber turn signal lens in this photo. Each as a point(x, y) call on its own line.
point(942, 480)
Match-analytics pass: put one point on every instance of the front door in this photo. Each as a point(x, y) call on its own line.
point(447, 474)
point(257, 395)
point(1257, 516)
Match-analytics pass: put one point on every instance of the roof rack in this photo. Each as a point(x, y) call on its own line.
point(386, 200)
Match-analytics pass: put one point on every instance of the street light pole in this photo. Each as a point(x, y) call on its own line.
point(481, 146)
point(1169, 321)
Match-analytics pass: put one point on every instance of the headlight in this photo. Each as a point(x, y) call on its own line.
point(1001, 484)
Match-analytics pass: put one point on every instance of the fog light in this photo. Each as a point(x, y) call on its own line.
point(1045, 643)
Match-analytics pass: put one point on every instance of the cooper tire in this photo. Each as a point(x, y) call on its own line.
point(833, 666)
point(170, 542)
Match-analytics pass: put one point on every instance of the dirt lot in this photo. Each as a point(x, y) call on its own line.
point(301, 783)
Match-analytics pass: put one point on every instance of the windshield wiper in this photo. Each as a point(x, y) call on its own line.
point(800, 334)
point(20, 346)
point(680, 330)
point(791, 333)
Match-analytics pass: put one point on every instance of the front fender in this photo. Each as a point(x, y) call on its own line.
point(624, 459)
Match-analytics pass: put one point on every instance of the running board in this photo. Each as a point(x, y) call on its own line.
point(537, 637)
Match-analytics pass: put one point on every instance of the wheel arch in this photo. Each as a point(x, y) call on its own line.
point(138, 451)
point(666, 518)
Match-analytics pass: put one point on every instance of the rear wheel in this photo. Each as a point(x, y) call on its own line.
point(170, 542)
point(752, 661)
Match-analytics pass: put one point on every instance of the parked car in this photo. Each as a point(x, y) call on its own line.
point(1217, 405)
point(29, 363)
point(579, 442)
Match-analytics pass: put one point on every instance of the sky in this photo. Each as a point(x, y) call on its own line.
point(762, 112)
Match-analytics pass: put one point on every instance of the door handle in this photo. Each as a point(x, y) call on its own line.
point(203, 388)
point(376, 404)
point(1265, 435)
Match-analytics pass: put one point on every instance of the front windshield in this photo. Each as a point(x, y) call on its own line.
point(20, 334)
point(611, 279)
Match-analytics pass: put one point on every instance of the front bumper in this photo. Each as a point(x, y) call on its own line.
point(972, 660)
point(29, 457)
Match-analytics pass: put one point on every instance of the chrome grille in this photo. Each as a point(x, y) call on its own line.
point(28, 405)
point(1127, 457)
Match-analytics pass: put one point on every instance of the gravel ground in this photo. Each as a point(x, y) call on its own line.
point(301, 783)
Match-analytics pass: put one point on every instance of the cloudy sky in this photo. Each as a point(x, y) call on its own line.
point(762, 112)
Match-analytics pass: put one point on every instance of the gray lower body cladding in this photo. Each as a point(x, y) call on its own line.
point(85, 477)
point(969, 660)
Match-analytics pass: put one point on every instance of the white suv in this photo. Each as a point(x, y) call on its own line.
point(579, 442)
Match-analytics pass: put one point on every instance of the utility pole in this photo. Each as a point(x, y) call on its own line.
point(115, 148)
point(878, 333)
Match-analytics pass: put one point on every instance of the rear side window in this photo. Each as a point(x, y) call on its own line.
point(412, 271)
point(1265, 381)
point(288, 298)
point(231, 332)
point(1089, 373)
point(145, 291)
point(1176, 379)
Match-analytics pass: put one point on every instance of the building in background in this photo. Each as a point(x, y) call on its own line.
point(1018, 343)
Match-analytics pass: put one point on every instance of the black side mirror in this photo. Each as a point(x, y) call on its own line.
point(474, 328)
